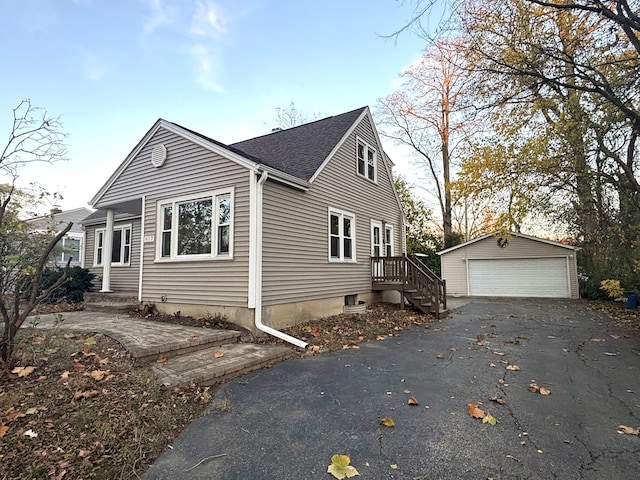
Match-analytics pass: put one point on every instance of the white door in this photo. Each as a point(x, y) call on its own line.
point(519, 277)
point(376, 239)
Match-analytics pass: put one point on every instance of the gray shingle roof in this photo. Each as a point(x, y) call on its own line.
point(301, 150)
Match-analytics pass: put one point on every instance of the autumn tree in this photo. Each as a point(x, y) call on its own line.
point(420, 236)
point(564, 78)
point(428, 114)
point(34, 137)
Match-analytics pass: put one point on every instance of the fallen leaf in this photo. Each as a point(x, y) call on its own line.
point(498, 400)
point(545, 391)
point(413, 401)
point(440, 356)
point(32, 410)
point(501, 354)
point(3, 430)
point(84, 453)
point(218, 354)
point(64, 375)
point(161, 359)
point(490, 419)
point(615, 337)
point(610, 354)
point(381, 337)
point(534, 388)
point(90, 341)
point(394, 466)
point(623, 429)
point(98, 375)
point(387, 422)
point(103, 361)
point(475, 411)
point(23, 371)
point(86, 394)
point(513, 368)
point(192, 339)
point(340, 467)
point(12, 414)
point(78, 367)
point(30, 433)
point(492, 364)
point(597, 339)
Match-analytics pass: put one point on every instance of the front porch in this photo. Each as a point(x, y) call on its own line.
point(414, 280)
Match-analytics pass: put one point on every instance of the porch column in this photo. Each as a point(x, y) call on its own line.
point(107, 248)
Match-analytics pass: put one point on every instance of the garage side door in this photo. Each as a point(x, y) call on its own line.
point(519, 277)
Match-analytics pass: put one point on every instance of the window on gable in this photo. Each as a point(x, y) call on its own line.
point(121, 248)
point(196, 228)
point(341, 236)
point(366, 160)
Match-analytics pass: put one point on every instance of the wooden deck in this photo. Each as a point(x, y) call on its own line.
point(417, 283)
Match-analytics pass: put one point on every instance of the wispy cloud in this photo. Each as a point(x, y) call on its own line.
point(161, 14)
point(208, 21)
point(208, 67)
point(199, 27)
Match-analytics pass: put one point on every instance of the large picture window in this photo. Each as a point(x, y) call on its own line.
point(121, 248)
point(197, 227)
point(341, 236)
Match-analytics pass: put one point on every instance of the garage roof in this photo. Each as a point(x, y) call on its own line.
point(513, 234)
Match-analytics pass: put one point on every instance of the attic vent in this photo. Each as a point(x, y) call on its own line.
point(158, 155)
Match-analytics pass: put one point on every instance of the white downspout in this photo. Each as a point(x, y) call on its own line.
point(258, 271)
point(141, 269)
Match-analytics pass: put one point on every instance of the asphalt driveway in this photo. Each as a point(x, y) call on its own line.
point(287, 422)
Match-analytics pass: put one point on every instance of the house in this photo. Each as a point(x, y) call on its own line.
point(278, 229)
point(72, 245)
point(515, 265)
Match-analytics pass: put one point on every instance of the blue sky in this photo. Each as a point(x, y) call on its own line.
point(111, 68)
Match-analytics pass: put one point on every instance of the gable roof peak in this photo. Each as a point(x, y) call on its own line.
point(301, 150)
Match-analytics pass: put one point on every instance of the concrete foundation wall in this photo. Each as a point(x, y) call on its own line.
point(276, 316)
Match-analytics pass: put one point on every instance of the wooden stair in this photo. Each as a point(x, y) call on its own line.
point(420, 286)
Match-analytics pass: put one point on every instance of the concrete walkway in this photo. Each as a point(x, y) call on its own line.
point(287, 422)
point(140, 337)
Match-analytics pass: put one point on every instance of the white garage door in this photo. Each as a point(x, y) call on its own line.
point(519, 277)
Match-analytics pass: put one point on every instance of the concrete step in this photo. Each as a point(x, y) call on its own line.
point(114, 297)
point(215, 365)
point(199, 339)
point(110, 307)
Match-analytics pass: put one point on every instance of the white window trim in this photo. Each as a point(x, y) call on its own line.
point(65, 254)
point(388, 228)
point(367, 147)
point(342, 214)
point(214, 255)
point(378, 224)
point(95, 246)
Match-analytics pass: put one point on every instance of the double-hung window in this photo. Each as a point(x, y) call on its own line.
point(120, 250)
point(366, 159)
point(197, 227)
point(341, 236)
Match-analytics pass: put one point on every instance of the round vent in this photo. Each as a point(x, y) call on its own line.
point(158, 155)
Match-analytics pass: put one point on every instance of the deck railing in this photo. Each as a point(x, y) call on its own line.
point(410, 274)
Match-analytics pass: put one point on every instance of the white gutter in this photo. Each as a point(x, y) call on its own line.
point(257, 263)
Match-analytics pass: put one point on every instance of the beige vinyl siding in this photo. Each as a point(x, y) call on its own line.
point(190, 170)
point(123, 278)
point(454, 263)
point(296, 264)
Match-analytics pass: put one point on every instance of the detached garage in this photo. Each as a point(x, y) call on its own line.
point(516, 266)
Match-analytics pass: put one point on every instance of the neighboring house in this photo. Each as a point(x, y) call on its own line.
point(72, 245)
point(516, 266)
point(280, 228)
